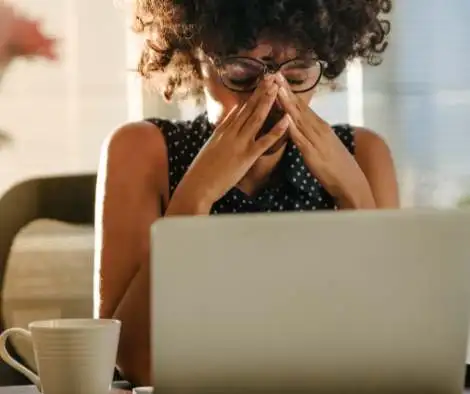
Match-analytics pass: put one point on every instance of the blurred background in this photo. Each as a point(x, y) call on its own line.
point(57, 115)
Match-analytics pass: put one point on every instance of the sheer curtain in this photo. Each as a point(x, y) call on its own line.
point(419, 100)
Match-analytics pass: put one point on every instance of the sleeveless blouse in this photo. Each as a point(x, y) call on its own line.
point(296, 190)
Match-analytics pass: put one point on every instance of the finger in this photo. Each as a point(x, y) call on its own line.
point(286, 91)
point(288, 98)
point(262, 144)
point(251, 104)
point(237, 117)
point(316, 122)
point(296, 116)
point(225, 124)
point(231, 116)
point(303, 116)
point(255, 121)
point(309, 151)
point(320, 125)
point(290, 102)
point(300, 139)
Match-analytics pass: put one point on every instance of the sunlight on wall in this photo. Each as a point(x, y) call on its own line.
point(355, 82)
point(59, 113)
point(135, 108)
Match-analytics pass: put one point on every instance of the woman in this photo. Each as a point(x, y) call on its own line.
point(258, 148)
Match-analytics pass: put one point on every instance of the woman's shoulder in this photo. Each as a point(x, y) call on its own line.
point(367, 141)
point(360, 140)
point(135, 139)
point(146, 147)
point(371, 150)
point(134, 156)
point(145, 138)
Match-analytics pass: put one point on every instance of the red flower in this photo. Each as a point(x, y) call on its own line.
point(20, 36)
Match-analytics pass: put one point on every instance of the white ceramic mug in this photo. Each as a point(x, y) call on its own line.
point(73, 356)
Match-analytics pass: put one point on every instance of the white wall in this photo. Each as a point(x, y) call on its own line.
point(58, 114)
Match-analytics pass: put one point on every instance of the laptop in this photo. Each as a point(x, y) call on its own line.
point(341, 302)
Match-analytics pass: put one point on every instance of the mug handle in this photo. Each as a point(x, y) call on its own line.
point(11, 361)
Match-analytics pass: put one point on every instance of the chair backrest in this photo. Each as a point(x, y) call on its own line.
point(68, 199)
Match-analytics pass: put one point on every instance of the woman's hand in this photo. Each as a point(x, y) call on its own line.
point(325, 155)
point(229, 153)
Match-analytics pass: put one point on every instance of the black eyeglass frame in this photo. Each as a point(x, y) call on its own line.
point(268, 68)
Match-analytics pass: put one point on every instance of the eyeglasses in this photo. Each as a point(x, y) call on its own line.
point(243, 74)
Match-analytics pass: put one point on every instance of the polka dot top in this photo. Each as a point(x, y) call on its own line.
point(296, 190)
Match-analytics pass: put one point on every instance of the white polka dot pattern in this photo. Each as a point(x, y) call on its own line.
point(297, 190)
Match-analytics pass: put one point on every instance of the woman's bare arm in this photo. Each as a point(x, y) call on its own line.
point(131, 182)
point(374, 158)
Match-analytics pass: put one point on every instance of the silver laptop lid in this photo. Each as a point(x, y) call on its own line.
point(349, 302)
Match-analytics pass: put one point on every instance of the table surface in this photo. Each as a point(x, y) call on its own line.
point(33, 390)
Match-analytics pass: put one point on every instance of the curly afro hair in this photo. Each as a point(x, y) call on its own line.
point(175, 30)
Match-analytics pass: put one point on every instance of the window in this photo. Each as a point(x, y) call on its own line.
point(419, 100)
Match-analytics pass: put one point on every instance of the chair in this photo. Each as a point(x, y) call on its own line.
point(68, 199)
